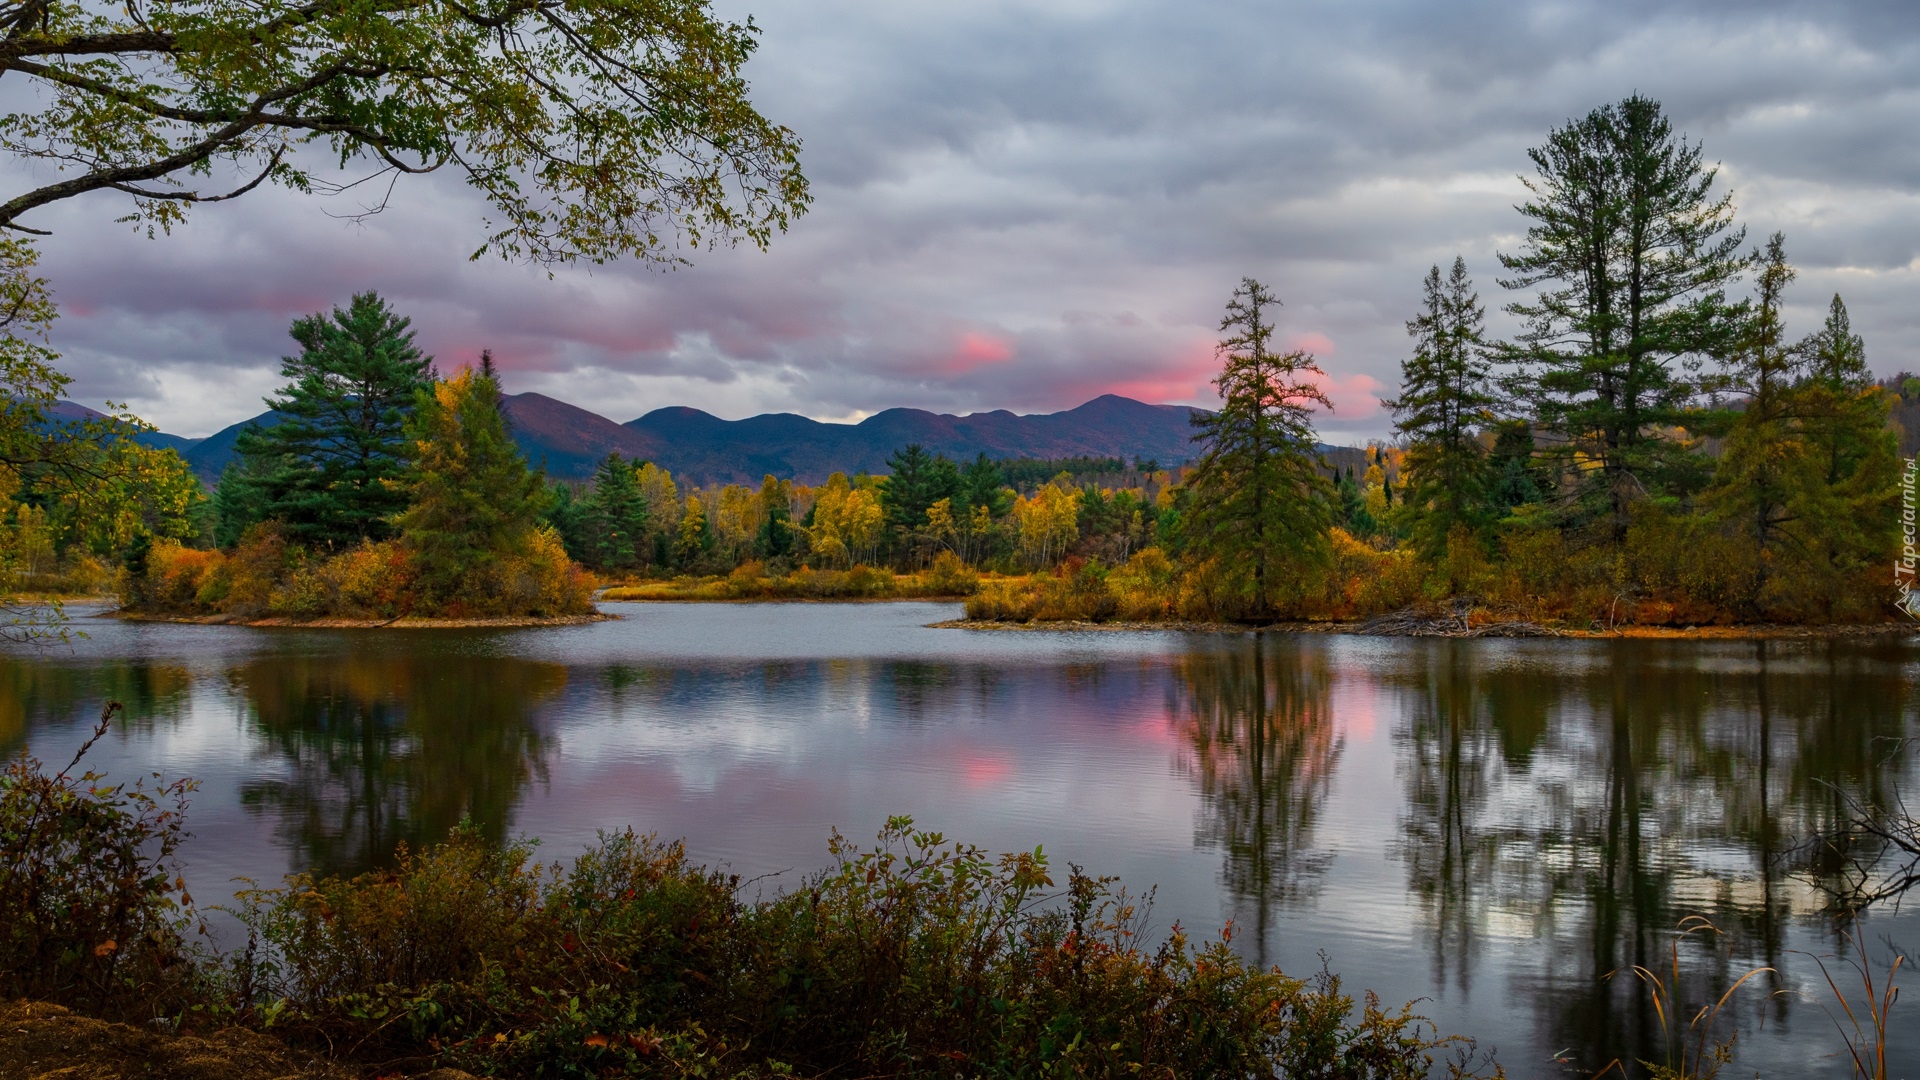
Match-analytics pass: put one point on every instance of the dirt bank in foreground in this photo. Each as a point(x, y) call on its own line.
point(46, 1042)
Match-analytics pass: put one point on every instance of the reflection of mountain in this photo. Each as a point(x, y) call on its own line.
point(34, 692)
point(385, 748)
point(1261, 743)
point(1591, 807)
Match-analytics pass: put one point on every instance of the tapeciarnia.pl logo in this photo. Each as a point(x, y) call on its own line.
point(1903, 570)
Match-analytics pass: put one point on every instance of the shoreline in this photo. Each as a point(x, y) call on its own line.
point(405, 622)
point(1742, 632)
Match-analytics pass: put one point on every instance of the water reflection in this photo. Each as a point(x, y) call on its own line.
point(1262, 749)
point(384, 748)
point(35, 692)
point(1494, 826)
point(1637, 792)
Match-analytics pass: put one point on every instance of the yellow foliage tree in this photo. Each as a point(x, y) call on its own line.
point(1048, 522)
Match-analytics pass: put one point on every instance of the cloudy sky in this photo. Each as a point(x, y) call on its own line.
point(1022, 204)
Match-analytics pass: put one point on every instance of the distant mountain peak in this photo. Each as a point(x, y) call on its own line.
point(697, 446)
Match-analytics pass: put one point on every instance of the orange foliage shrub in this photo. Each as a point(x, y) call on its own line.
point(176, 576)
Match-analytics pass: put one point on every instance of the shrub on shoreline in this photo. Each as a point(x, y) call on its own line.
point(948, 577)
point(265, 576)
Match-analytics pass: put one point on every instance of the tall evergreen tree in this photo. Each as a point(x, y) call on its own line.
point(329, 469)
point(471, 500)
point(984, 483)
point(617, 517)
point(1807, 471)
point(1634, 252)
point(916, 481)
point(1766, 456)
point(1446, 392)
point(1259, 506)
point(1840, 400)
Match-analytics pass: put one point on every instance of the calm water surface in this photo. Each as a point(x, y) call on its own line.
point(1492, 826)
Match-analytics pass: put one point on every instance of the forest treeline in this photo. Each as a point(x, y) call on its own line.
point(1655, 445)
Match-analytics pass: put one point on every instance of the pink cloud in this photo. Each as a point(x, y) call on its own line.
point(975, 350)
point(1186, 377)
point(1314, 342)
point(1353, 396)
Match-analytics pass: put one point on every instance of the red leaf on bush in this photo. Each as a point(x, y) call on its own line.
point(105, 947)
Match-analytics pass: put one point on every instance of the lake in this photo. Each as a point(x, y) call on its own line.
point(1492, 826)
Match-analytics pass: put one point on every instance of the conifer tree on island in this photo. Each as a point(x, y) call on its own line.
point(472, 502)
point(1259, 506)
point(1446, 395)
point(1635, 253)
point(328, 470)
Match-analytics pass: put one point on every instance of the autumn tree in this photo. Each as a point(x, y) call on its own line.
point(328, 468)
point(1446, 396)
point(1631, 252)
point(472, 503)
point(1259, 506)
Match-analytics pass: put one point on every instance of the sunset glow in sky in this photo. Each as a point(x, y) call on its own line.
point(1022, 204)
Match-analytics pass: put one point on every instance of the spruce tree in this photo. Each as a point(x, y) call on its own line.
point(915, 482)
point(1633, 252)
point(328, 469)
point(472, 501)
point(1259, 506)
point(984, 483)
point(616, 517)
point(1765, 459)
point(1446, 393)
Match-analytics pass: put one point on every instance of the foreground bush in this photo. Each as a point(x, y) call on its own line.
point(915, 958)
point(93, 912)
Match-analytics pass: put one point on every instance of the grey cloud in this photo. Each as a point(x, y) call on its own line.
point(1079, 183)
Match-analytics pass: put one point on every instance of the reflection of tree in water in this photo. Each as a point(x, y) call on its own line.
point(387, 746)
point(36, 693)
point(1664, 783)
point(1451, 760)
point(1260, 740)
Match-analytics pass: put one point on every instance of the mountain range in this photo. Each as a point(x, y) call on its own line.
point(569, 441)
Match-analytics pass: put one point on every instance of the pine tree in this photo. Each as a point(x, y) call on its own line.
point(328, 470)
point(915, 482)
point(984, 484)
point(1807, 470)
point(1766, 458)
point(616, 517)
point(1259, 505)
point(472, 501)
point(1446, 391)
point(1635, 252)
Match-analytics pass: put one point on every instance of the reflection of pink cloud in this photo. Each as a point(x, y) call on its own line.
point(1355, 710)
point(983, 772)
